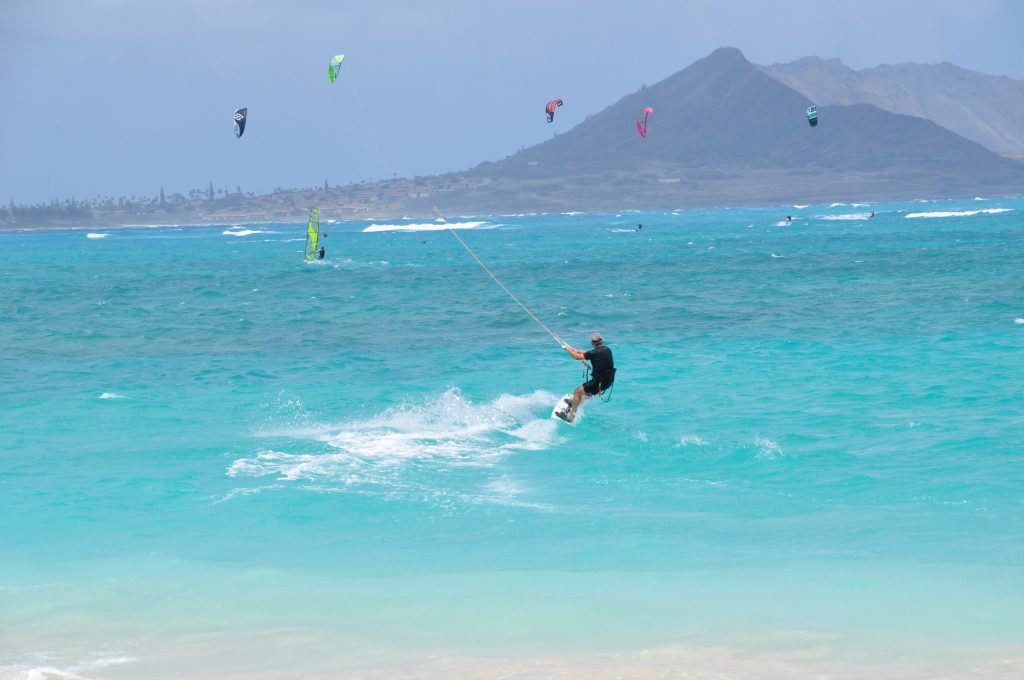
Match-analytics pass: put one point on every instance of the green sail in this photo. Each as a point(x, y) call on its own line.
point(312, 233)
point(334, 67)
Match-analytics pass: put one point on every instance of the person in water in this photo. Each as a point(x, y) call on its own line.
point(320, 253)
point(639, 227)
point(789, 218)
point(603, 367)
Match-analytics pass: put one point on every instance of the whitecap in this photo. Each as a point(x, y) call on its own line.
point(244, 232)
point(845, 217)
point(958, 213)
point(799, 207)
point(96, 235)
point(112, 395)
point(429, 226)
point(1018, 321)
point(766, 448)
point(691, 440)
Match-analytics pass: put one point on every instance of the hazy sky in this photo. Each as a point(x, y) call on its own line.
point(118, 97)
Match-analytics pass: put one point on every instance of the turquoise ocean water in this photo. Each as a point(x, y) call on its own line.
point(220, 461)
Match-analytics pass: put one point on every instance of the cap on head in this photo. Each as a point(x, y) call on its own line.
point(596, 339)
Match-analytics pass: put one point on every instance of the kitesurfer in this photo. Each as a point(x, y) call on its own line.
point(789, 218)
point(603, 375)
point(320, 253)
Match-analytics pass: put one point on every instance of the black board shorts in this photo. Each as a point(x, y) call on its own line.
point(595, 386)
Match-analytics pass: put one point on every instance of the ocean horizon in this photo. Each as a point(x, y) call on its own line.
point(223, 461)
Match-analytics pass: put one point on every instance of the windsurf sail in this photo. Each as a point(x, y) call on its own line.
point(550, 108)
point(240, 115)
point(641, 120)
point(312, 234)
point(812, 115)
point(334, 67)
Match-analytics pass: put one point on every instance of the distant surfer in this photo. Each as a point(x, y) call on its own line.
point(789, 219)
point(320, 253)
point(639, 227)
point(603, 375)
point(871, 215)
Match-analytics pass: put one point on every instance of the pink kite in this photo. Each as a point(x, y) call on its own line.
point(641, 121)
point(550, 108)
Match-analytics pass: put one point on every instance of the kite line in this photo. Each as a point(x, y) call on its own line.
point(561, 343)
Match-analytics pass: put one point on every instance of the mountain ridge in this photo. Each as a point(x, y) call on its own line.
point(723, 129)
point(987, 109)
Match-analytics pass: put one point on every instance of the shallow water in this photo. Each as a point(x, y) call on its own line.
point(220, 459)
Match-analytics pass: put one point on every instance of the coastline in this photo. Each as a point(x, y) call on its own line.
point(429, 214)
point(277, 654)
point(426, 206)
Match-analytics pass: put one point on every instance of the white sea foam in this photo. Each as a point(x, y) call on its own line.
point(112, 395)
point(798, 206)
point(49, 674)
point(691, 440)
point(766, 448)
point(845, 217)
point(234, 231)
point(96, 235)
point(573, 213)
point(836, 205)
point(783, 223)
point(429, 226)
point(447, 429)
point(959, 213)
point(1018, 320)
point(73, 673)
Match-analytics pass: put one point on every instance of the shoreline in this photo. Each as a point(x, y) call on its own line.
point(415, 215)
point(276, 655)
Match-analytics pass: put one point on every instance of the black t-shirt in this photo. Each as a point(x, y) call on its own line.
point(600, 359)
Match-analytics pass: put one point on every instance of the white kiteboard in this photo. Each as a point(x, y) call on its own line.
point(562, 407)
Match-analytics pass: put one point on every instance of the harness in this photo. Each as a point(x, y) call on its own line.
point(588, 373)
